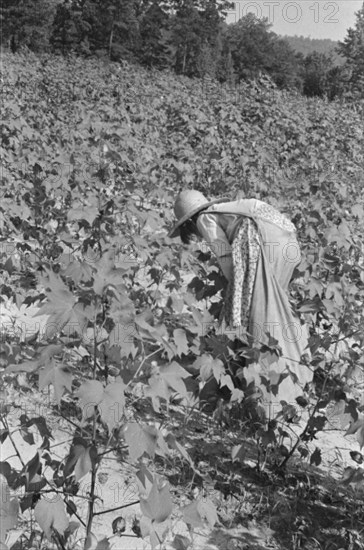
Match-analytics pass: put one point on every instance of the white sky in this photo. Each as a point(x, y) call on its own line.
point(314, 18)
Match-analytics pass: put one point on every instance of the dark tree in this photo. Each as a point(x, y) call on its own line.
point(156, 49)
point(26, 23)
point(352, 48)
point(254, 49)
point(316, 68)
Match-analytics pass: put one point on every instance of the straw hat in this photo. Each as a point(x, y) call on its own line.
point(187, 204)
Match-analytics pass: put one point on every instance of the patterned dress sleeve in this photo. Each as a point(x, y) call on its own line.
point(217, 241)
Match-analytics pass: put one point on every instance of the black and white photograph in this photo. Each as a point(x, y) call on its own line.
point(182, 275)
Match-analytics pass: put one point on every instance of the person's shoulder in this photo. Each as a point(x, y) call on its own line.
point(216, 207)
point(239, 206)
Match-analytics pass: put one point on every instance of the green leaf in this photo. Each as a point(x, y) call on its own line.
point(26, 366)
point(78, 448)
point(267, 437)
point(65, 314)
point(165, 381)
point(90, 394)
point(180, 339)
point(27, 436)
point(334, 290)
point(91, 542)
point(199, 512)
point(310, 306)
point(85, 461)
point(180, 542)
point(354, 477)
point(57, 375)
point(157, 333)
point(112, 405)
point(78, 271)
point(144, 479)
point(89, 214)
point(204, 320)
point(173, 444)
point(142, 439)
point(238, 452)
point(209, 366)
point(122, 311)
point(207, 511)
point(340, 235)
point(357, 457)
point(32, 468)
point(4, 433)
point(123, 337)
point(156, 532)
point(9, 508)
point(5, 469)
point(173, 375)
point(51, 516)
point(192, 516)
point(315, 458)
point(358, 428)
point(106, 274)
point(46, 355)
point(39, 422)
point(157, 506)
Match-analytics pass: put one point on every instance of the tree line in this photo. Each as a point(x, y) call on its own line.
point(189, 37)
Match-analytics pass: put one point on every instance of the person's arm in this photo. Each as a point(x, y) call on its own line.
point(246, 207)
point(217, 241)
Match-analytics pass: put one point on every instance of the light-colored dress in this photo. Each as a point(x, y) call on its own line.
point(262, 273)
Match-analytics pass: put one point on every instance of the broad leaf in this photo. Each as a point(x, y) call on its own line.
point(141, 439)
point(56, 374)
point(156, 532)
point(77, 451)
point(123, 337)
point(358, 428)
point(65, 314)
point(165, 381)
point(112, 405)
point(85, 462)
point(173, 444)
point(199, 512)
point(157, 506)
point(315, 458)
point(191, 515)
point(82, 457)
point(9, 508)
point(180, 339)
point(47, 353)
point(51, 516)
point(88, 214)
point(32, 468)
point(78, 271)
point(106, 274)
point(90, 394)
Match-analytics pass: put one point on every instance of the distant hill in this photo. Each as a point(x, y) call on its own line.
point(306, 45)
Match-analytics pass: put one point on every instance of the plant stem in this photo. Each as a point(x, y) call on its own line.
point(91, 503)
point(299, 439)
point(142, 363)
point(95, 464)
point(117, 508)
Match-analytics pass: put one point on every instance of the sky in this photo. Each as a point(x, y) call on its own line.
point(313, 18)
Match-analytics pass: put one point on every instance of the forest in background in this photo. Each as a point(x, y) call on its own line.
point(307, 45)
point(189, 37)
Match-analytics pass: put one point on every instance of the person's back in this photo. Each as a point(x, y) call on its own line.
point(257, 250)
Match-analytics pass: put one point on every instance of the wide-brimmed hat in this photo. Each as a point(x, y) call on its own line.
point(187, 204)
